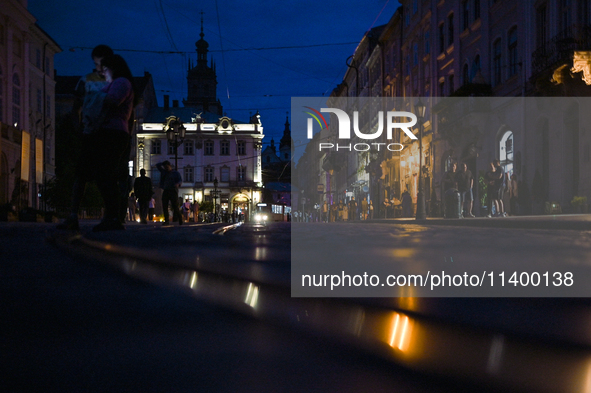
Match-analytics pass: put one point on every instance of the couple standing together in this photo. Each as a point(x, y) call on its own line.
point(105, 102)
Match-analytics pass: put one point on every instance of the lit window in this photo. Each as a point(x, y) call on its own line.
point(506, 152)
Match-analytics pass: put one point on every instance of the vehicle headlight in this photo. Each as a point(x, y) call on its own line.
point(257, 217)
point(265, 217)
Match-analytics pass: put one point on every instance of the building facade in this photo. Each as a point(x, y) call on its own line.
point(434, 49)
point(27, 107)
point(219, 158)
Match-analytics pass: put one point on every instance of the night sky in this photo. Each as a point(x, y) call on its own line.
point(269, 51)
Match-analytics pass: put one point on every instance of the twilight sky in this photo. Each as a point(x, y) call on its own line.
point(266, 51)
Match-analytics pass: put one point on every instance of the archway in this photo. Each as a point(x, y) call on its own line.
point(241, 205)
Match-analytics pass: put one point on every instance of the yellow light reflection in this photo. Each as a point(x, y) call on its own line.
point(260, 253)
point(403, 252)
point(252, 295)
point(193, 282)
point(401, 332)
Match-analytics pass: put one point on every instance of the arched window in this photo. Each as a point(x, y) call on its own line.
point(16, 100)
point(506, 152)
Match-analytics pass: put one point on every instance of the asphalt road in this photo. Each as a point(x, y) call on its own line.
point(70, 323)
point(140, 310)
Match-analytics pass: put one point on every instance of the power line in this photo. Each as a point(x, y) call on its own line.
point(174, 52)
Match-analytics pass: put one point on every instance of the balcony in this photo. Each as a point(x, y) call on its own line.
point(560, 49)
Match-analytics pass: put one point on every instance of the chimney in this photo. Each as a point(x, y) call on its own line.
point(175, 103)
point(166, 101)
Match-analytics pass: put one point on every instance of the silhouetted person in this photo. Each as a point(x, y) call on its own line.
point(142, 186)
point(170, 181)
point(113, 139)
point(87, 103)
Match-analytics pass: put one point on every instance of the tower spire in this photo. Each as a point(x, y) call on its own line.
point(201, 34)
point(202, 47)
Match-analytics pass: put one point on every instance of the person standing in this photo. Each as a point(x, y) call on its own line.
point(513, 194)
point(353, 209)
point(86, 92)
point(131, 204)
point(465, 182)
point(364, 209)
point(142, 186)
point(170, 181)
point(500, 184)
point(406, 204)
point(492, 191)
point(111, 143)
point(151, 209)
point(450, 178)
point(371, 210)
point(186, 209)
point(195, 208)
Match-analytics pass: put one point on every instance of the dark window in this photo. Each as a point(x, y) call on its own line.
point(450, 29)
point(224, 148)
point(451, 84)
point(189, 146)
point(209, 174)
point(513, 51)
point(39, 100)
point(16, 99)
point(241, 148)
point(476, 9)
point(465, 15)
point(225, 174)
point(241, 173)
point(156, 146)
point(208, 148)
point(188, 175)
point(497, 50)
point(441, 38)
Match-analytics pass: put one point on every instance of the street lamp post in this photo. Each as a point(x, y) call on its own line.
point(421, 212)
point(175, 133)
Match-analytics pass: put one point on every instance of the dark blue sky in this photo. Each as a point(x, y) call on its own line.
point(269, 51)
